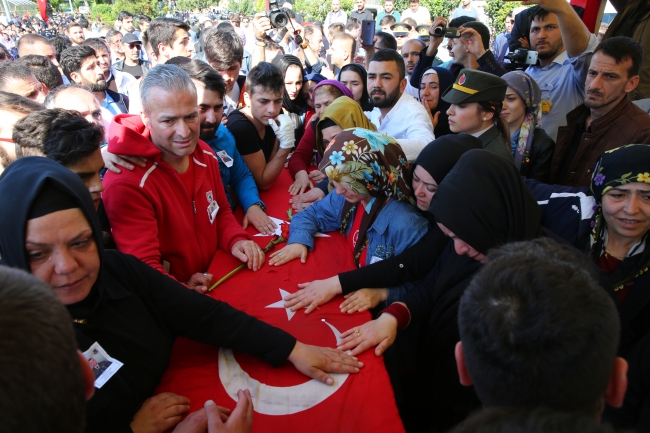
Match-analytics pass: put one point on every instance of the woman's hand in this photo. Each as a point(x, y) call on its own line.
point(316, 362)
point(301, 184)
point(111, 161)
point(256, 216)
point(363, 299)
point(288, 253)
point(160, 413)
point(380, 332)
point(200, 282)
point(524, 42)
point(434, 118)
point(316, 176)
point(302, 201)
point(313, 294)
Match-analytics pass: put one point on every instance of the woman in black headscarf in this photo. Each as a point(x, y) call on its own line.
point(355, 78)
point(292, 99)
point(433, 82)
point(50, 228)
point(432, 166)
point(482, 203)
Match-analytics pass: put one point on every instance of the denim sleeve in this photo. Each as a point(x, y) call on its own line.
point(323, 216)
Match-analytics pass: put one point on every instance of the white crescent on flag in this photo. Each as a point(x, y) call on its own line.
point(276, 400)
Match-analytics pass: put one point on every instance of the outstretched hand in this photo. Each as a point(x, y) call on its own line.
point(314, 294)
point(316, 362)
point(380, 332)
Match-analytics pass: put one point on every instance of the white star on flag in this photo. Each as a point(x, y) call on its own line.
point(280, 304)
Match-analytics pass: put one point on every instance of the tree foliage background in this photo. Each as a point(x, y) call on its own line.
point(496, 11)
point(109, 12)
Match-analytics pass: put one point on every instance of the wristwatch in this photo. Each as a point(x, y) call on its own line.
point(260, 204)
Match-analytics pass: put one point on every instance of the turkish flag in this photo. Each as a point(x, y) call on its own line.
point(284, 399)
point(42, 7)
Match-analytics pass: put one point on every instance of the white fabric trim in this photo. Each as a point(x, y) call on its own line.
point(587, 203)
point(146, 175)
point(198, 163)
point(208, 152)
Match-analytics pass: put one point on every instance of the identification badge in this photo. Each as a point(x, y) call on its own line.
point(375, 259)
point(102, 365)
point(213, 208)
point(546, 107)
point(225, 158)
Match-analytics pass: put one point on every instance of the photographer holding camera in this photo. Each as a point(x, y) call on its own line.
point(564, 47)
point(468, 45)
point(286, 28)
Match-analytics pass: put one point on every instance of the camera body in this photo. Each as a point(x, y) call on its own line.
point(278, 17)
point(446, 32)
point(522, 58)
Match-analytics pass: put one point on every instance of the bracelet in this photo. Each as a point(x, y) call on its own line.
point(260, 43)
point(400, 312)
point(260, 204)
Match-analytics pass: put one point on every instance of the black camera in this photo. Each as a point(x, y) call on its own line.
point(446, 32)
point(277, 15)
point(522, 58)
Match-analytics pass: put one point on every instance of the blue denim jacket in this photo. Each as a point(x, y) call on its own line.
point(398, 226)
point(238, 176)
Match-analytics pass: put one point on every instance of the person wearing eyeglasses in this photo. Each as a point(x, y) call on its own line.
point(132, 62)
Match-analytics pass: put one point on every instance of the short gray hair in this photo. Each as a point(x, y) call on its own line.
point(169, 79)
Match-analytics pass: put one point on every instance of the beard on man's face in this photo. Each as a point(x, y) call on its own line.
point(208, 131)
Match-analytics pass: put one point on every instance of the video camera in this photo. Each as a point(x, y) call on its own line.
point(446, 32)
point(522, 58)
point(277, 15)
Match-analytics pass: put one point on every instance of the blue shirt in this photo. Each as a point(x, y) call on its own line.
point(238, 176)
point(563, 85)
point(514, 140)
point(501, 46)
point(110, 104)
point(397, 226)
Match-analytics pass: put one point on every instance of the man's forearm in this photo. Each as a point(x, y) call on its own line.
point(575, 34)
point(273, 169)
point(259, 55)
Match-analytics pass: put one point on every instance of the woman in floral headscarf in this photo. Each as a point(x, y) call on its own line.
point(373, 203)
point(619, 246)
point(621, 222)
point(532, 148)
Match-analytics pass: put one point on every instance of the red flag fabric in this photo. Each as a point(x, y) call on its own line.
point(284, 399)
point(42, 7)
point(593, 12)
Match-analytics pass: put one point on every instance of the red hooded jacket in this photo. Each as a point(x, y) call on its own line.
point(152, 216)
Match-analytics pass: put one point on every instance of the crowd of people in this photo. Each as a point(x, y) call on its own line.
point(497, 211)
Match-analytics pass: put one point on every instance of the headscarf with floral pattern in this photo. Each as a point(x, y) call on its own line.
point(368, 163)
point(616, 167)
point(531, 94)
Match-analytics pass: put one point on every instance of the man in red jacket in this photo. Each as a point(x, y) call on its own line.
point(172, 214)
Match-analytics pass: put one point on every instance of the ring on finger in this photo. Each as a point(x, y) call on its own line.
point(356, 331)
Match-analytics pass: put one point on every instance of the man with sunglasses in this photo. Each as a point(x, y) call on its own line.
point(132, 62)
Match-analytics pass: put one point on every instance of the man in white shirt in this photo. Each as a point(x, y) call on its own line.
point(396, 113)
point(419, 13)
